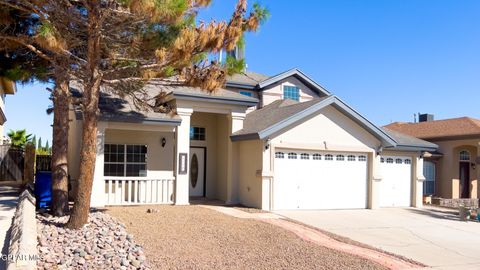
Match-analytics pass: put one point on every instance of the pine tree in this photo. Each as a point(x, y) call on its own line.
point(122, 45)
point(39, 145)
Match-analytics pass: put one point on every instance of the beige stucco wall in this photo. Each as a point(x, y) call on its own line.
point(275, 91)
point(448, 169)
point(223, 137)
point(250, 168)
point(330, 130)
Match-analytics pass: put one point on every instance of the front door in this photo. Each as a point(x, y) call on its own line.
point(465, 179)
point(197, 171)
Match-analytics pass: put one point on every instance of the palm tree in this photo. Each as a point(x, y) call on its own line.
point(19, 137)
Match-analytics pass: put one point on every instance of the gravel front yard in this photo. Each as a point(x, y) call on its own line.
point(192, 237)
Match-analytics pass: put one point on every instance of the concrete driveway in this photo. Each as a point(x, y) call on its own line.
point(432, 236)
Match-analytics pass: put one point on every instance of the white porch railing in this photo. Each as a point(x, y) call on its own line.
point(138, 190)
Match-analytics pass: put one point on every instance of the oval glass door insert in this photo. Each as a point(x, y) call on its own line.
point(194, 171)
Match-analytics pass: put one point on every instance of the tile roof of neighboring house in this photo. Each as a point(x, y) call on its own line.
point(448, 128)
point(248, 78)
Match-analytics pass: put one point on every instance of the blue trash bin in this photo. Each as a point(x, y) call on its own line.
point(43, 189)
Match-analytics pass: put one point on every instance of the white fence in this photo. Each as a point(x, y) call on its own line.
point(138, 190)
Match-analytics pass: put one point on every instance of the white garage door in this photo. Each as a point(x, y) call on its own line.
point(319, 180)
point(396, 182)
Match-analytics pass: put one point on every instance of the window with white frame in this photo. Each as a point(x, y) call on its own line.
point(340, 157)
point(304, 156)
point(197, 133)
point(328, 157)
point(351, 158)
point(125, 160)
point(317, 157)
point(390, 160)
point(362, 158)
point(279, 155)
point(407, 161)
point(292, 156)
point(464, 155)
point(291, 92)
point(399, 161)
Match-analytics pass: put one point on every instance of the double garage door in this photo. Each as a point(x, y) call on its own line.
point(320, 180)
point(327, 180)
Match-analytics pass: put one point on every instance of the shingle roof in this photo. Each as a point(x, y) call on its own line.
point(247, 78)
point(115, 108)
point(272, 114)
point(455, 127)
point(118, 109)
point(408, 141)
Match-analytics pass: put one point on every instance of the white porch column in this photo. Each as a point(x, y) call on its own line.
point(235, 120)
point(183, 157)
point(98, 197)
point(376, 182)
point(417, 200)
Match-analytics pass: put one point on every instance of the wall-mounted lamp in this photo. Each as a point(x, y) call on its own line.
point(164, 141)
point(267, 144)
point(474, 166)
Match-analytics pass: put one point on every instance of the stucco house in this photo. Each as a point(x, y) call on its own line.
point(270, 142)
point(452, 171)
point(7, 87)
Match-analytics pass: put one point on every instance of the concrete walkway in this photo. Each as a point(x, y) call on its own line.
point(432, 236)
point(8, 203)
point(319, 238)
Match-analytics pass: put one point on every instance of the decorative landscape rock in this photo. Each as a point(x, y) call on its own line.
point(102, 244)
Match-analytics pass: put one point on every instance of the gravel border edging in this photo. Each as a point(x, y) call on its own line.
point(22, 249)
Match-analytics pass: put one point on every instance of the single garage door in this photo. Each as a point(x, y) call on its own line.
point(319, 180)
point(396, 182)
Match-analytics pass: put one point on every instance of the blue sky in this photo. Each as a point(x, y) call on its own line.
point(387, 59)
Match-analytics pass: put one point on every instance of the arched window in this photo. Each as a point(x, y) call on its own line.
point(279, 155)
point(362, 158)
point(304, 156)
point(464, 155)
point(340, 157)
point(408, 161)
point(390, 160)
point(382, 160)
point(317, 157)
point(328, 157)
point(398, 161)
point(292, 156)
point(351, 158)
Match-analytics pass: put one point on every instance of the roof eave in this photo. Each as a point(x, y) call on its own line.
point(300, 75)
point(241, 85)
point(244, 137)
point(250, 102)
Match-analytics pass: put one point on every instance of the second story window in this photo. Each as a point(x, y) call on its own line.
point(246, 93)
point(291, 92)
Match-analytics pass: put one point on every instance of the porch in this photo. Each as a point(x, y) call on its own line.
point(167, 164)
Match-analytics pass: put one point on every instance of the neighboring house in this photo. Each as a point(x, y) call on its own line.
point(451, 172)
point(7, 87)
point(279, 142)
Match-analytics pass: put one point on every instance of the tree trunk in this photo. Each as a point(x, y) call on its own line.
point(61, 101)
point(91, 94)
